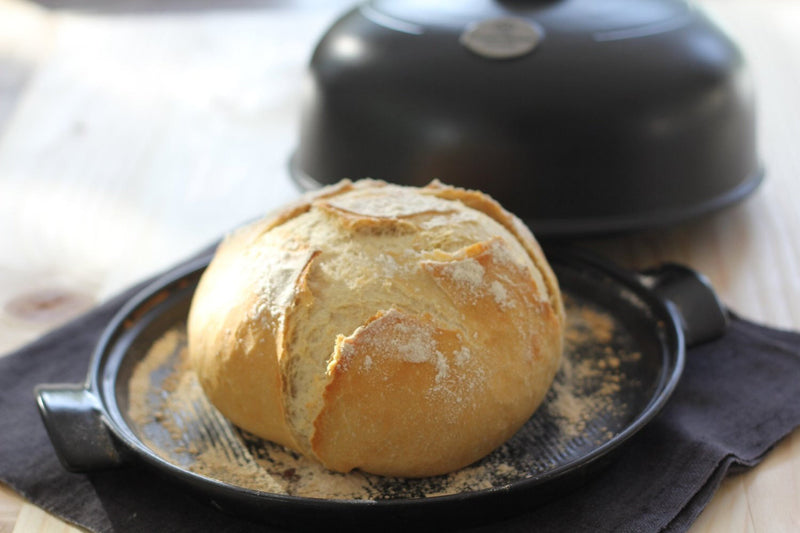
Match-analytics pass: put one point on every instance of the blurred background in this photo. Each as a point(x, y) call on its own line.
point(136, 132)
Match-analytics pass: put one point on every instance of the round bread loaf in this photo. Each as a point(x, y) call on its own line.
point(402, 331)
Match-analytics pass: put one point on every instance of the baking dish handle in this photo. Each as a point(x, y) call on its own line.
point(75, 425)
point(702, 315)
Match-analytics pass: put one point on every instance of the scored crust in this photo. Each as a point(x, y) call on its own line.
point(397, 330)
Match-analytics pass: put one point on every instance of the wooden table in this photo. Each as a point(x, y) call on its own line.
point(130, 137)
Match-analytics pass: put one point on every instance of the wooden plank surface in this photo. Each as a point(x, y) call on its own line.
point(10, 506)
point(132, 137)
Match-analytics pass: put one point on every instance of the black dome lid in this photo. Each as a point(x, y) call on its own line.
point(577, 115)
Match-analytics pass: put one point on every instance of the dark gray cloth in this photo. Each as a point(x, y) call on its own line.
point(738, 396)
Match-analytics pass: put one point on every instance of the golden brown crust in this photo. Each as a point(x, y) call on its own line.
point(303, 298)
point(486, 204)
point(234, 357)
point(400, 331)
point(379, 389)
point(451, 397)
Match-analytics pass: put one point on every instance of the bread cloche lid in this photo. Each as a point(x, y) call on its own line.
point(580, 116)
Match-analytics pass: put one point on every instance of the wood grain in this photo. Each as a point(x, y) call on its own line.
point(32, 519)
point(10, 506)
point(130, 138)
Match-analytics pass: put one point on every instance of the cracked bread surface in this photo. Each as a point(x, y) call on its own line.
point(402, 331)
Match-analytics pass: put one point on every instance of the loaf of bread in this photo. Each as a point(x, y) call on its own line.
point(398, 330)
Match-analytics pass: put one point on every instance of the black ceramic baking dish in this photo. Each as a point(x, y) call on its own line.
point(579, 116)
point(655, 315)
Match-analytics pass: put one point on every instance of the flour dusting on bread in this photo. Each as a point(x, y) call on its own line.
point(399, 330)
